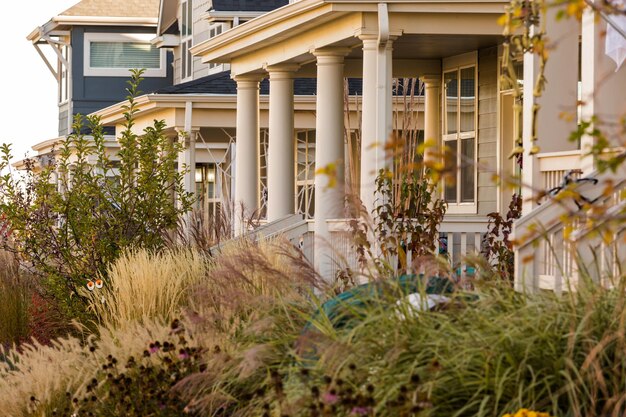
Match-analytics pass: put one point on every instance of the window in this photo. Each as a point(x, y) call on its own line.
point(186, 35)
point(459, 135)
point(63, 74)
point(215, 30)
point(305, 173)
point(113, 54)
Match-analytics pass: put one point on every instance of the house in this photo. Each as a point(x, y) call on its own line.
point(95, 43)
point(455, 48)
point(200, 109)
point(196, 100)
point(258, 94)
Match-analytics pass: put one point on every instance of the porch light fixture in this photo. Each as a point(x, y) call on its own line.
point(198, 174)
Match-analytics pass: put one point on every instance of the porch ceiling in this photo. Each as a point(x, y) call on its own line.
point(428, 30)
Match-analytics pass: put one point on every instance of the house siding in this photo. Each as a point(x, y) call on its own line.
point(200, 34)
point(487, 129)
point(90, 94)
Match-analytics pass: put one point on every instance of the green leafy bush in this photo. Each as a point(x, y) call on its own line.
point(72, 216)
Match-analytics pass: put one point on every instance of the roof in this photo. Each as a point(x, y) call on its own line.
point(247, 5)
point(222, 83)
point(114, 8)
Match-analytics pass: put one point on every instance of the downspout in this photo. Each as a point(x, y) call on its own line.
point(383, 25)
point(383, 78)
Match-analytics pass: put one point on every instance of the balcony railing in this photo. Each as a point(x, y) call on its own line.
point(554, 165)
point(558, 243)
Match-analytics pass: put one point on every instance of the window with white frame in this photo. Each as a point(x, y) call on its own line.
point(186, 35)
point(214, 30)
point(459, 131)
point(62, 70)
point(114, 54)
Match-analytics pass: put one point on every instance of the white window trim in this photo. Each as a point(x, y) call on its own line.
point(456, 63)
point(120, 72)
point(188, 41)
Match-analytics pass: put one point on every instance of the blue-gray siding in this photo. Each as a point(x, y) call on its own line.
point(90, 94)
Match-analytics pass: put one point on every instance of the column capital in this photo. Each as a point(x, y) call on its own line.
point(431, 80)
point(282, 71)
point(180, 131)
point(368, 38)
point(330, 54)
point(186, 137)
point(250, 80)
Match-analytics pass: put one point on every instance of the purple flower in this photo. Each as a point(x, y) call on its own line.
point(360, 411)
point(154, 348)
point(330, 398)
point(183, 355)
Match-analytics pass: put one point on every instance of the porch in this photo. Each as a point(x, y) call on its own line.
point(452, 48)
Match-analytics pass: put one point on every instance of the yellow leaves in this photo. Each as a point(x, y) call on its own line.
point(576, 8)
point(567, 231)
point(330, 171)
point(568, 116)
point(524, 412)
point(504, 20)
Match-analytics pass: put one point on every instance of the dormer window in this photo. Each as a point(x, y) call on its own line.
point(114, 54)
point(186, 35)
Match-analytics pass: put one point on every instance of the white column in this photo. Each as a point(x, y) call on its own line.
point(329, 151)
point(281, 153)
point(431, 115)
point(603, 89)
point(187, 159)
point(187, 165)
point(384, 93)
point(559, 96)
point(247, 155)
point(372, 147)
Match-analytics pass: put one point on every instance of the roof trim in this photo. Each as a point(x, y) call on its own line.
point(106, 20)
point(167, 15)
point(266, 20)
point(114, 113)
point(36, 34)
point(247, 37)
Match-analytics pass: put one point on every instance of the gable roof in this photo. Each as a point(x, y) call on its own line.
point(114, 8)
point(247, 5)
point(222, 84)
point(101, 13)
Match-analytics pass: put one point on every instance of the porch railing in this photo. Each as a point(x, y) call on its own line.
point(459, 237)
point(553, 253)
point(554, 165)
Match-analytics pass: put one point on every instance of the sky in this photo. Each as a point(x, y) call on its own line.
point(28, 109)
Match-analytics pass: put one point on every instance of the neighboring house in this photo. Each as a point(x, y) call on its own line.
point(455, 48)
point(95, 43)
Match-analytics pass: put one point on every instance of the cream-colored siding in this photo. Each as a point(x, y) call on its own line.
point(200, 34)
point(487, 129)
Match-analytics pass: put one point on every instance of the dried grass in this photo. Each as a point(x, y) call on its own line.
point(34, 382)
point(143, 284)
point(14, 301)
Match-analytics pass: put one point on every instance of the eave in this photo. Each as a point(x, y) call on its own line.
point(290, 21)
point(145, 104)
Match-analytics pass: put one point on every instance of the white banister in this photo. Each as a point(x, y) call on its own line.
point(549, 255)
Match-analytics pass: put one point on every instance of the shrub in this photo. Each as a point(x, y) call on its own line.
point(71, 217)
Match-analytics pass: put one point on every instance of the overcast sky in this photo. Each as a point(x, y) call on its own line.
point(29, 112)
